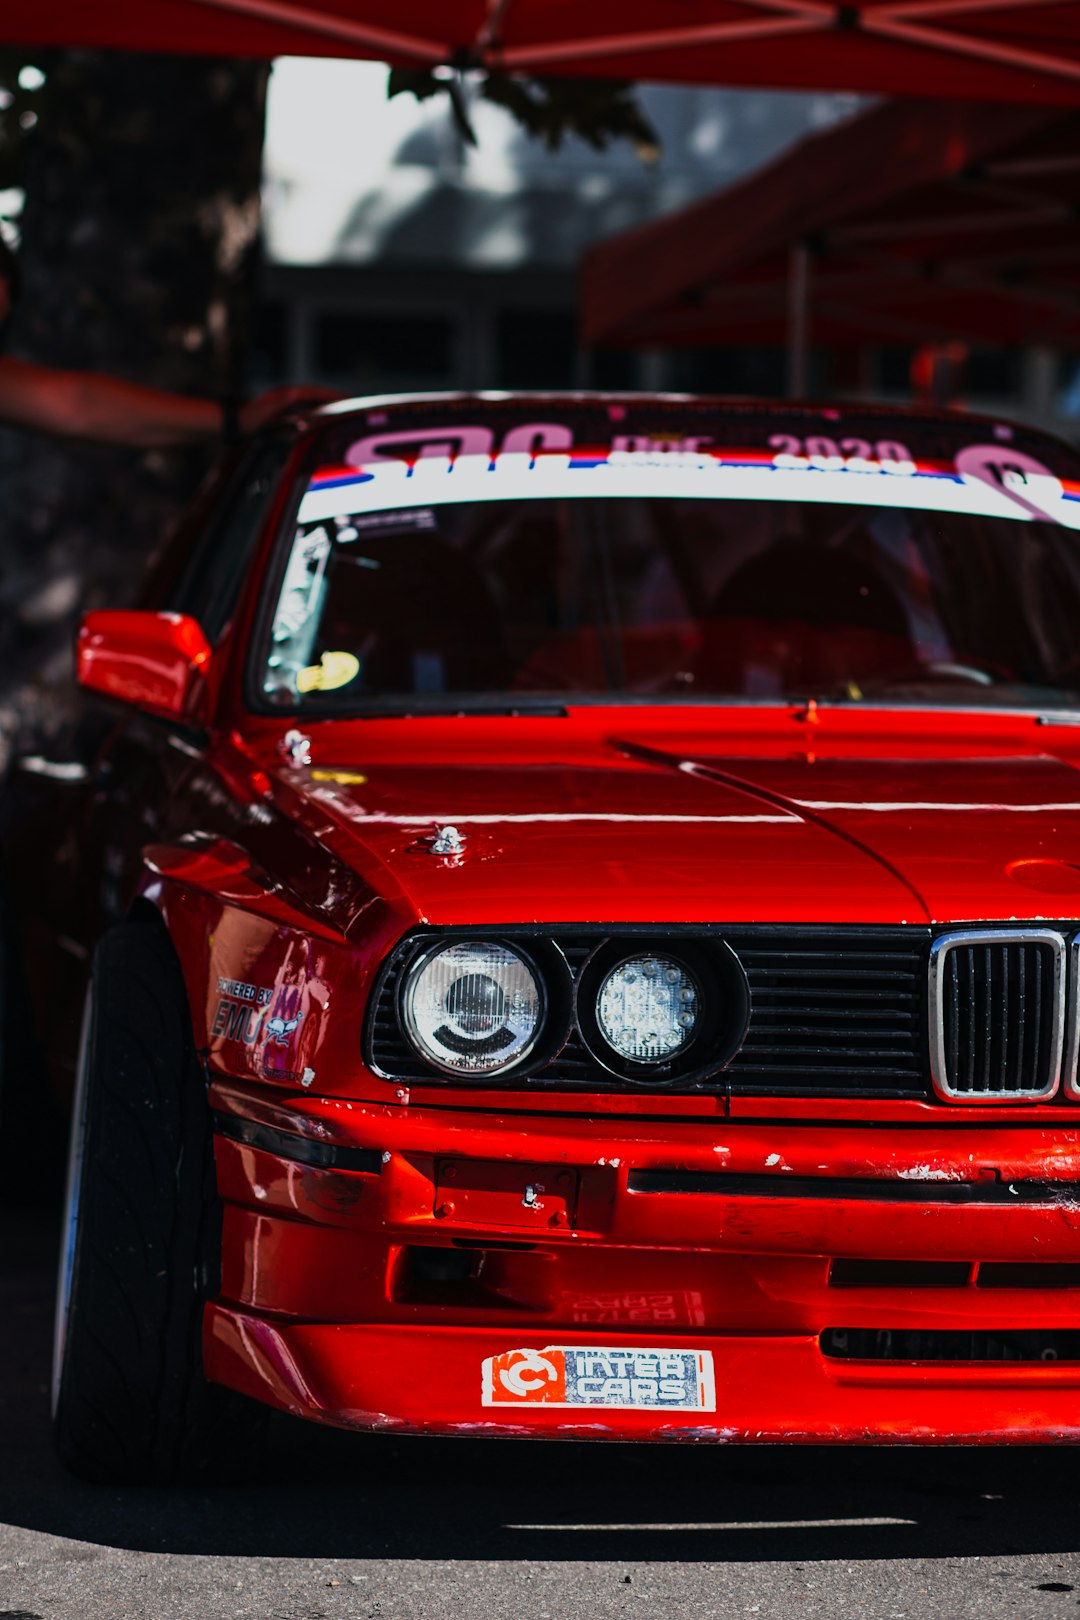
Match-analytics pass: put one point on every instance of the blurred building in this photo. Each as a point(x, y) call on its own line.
point(399, 257)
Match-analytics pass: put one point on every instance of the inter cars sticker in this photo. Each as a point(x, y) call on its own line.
point(633, 1377)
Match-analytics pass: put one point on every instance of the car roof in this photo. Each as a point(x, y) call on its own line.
point(736, 404)
point(586, 397)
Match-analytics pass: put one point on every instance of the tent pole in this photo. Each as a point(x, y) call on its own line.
point(798, 319)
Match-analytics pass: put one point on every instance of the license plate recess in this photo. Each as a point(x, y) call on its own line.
point(479, 1192)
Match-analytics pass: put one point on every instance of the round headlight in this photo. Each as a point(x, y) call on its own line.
point(647, 1008)
point(473, 1007)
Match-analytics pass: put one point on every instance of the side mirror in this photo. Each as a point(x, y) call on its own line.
point(156, 661)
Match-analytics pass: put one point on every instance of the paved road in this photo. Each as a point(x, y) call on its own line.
point(347, 1528)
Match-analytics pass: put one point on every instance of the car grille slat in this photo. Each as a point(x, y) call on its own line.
point(1021, 1008)
point(952, 971)
point(874, 1031)
point(865, 1053)
point(877, 1019)
point(1008, 956)
point(808, 992)
point(1036, 1006)
point(989, 975)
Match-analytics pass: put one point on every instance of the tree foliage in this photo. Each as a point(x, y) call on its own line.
point(141, 177)
point(26, 96)
point(597, 111)
point(139, 241)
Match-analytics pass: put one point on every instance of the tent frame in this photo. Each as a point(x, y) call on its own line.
point(972, 47)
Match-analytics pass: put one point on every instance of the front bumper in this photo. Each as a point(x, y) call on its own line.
point(375, 1259)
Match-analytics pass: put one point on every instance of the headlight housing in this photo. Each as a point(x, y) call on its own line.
point(665, 1011)
point(474, 1007)
point(648, 1007)
point(554, 1007)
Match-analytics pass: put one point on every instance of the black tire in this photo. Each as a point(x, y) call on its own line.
point(141, 1239)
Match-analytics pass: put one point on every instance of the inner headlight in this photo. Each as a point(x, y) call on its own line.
point(647, 1008)
point(473, 1007)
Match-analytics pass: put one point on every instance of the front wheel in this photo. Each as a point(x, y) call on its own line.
point(141, 1236)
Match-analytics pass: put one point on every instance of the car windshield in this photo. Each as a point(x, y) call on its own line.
point(742, 557)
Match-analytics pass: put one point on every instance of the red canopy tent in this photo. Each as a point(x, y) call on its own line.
point(911, 223)
point(1008, 50)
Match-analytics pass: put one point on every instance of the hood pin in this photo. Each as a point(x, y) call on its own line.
point(296, 748)
point(447, 841)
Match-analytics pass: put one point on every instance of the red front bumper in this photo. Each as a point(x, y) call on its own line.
point(374, 1259)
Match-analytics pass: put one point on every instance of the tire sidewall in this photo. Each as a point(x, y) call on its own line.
point(70, 1228)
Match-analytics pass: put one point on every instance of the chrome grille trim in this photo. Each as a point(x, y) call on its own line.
point(1070, 1078)
point(945, 1085)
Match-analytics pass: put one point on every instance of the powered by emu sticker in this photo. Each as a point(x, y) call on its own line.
point(601, 1375)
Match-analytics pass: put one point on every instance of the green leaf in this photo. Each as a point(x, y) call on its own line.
point(598, 111)
point(418, 82)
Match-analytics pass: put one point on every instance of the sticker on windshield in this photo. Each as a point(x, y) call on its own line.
point(380, 523)
point(850, 455)
point(989, 480)
point(333, 670)
point(1015, 475)
point(601, 1375)
point(412, 444)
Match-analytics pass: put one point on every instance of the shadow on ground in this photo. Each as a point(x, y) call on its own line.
point(325, 1494)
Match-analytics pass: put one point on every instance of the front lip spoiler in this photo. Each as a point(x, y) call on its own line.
point(298, 1149)
point(422, 1377)
point(871, 1189)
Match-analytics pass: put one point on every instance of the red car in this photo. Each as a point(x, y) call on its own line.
point(584, 894)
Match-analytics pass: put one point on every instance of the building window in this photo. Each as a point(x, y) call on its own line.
point(383, 352)
point(729, 371)
point(536, 348)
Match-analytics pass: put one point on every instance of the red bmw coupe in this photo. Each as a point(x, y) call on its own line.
point(583, 896)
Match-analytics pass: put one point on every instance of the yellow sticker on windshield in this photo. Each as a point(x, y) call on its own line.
point(333, 670)
point(341, 778)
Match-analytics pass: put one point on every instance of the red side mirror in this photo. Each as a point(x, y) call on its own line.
point(157, 661)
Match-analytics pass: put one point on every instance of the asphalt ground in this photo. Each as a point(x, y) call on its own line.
point(346, 1527)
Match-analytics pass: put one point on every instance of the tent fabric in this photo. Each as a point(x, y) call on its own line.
point(1005, 50)
point(917, 222)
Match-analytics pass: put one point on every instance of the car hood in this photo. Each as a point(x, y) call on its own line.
point(646, 829)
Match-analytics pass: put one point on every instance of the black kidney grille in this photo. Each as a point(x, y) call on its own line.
point(996, 1010)
point(834, 1012)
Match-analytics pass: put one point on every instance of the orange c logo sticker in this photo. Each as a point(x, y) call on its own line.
point(529, 1373)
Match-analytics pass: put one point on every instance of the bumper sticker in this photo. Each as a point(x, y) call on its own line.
point(603, 1376)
